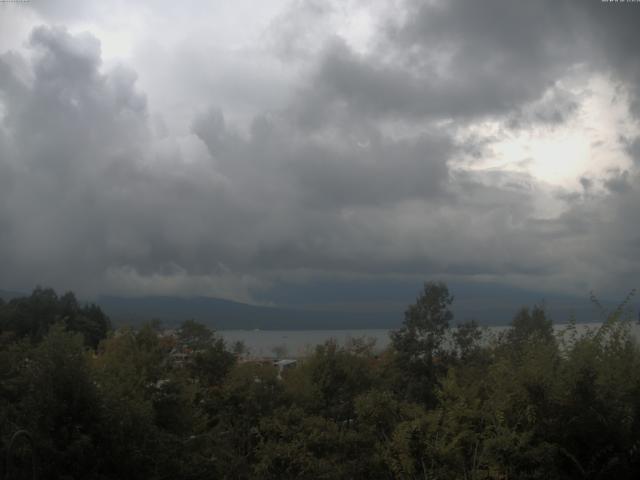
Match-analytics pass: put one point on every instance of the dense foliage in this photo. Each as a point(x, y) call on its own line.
point(441, 402)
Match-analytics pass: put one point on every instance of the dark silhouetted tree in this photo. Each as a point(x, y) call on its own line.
point(419, 344)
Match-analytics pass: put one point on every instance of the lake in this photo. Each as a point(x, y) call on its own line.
point(299, 343)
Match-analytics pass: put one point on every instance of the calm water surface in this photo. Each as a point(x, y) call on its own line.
point(299, 343)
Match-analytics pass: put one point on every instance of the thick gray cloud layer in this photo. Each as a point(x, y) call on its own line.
point(357, 173)
point(463, 59)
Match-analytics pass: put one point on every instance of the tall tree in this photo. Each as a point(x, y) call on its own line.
point(419, 344)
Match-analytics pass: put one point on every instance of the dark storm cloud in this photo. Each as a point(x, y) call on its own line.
point(88, 194)
point(464, 60)
point(356, 175)
point(633, 148)
point(555, 107)
point(614, 35)
point(61, 127)
point(452, 60)
point(350, 168)
point(303, 189)
point(607, 235)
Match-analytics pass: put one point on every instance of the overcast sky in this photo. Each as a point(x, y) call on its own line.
point(234, 149)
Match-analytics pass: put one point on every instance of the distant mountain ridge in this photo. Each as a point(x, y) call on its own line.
point(8, 294)
point(225, 314)
point(488, 306)
point(229, 315)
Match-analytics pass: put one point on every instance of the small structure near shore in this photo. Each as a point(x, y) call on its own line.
point(284, 364)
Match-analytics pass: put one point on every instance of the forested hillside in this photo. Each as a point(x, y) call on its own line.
point(141, 404)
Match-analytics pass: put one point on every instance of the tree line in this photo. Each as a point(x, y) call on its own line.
point(441, 402)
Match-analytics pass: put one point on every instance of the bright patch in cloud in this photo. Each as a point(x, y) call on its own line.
point(588, 144)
